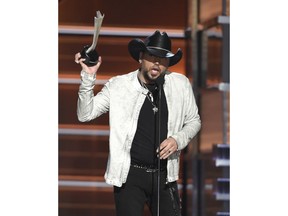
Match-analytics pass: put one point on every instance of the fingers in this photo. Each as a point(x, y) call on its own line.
point(88, 69)
point(99, 61)
point(167, 147)
point(165, 153)
point(77, 58)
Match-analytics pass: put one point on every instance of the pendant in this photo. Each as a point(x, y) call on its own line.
point(155, 109)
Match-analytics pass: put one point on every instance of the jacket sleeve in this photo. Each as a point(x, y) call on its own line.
point(90, 106)
point(192, 122)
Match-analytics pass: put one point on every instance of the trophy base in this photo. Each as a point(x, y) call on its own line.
point(91, 58)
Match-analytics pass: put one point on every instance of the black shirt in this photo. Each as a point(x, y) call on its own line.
point(145, 142)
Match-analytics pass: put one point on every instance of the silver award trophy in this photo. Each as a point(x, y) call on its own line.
point(89, 53)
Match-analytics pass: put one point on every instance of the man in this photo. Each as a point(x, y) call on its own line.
point(136, 127)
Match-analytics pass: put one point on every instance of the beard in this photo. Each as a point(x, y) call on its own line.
point(147, 77)
point(147, 73)
point(158, 80)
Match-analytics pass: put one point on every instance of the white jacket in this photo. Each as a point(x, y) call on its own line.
point(123, 97)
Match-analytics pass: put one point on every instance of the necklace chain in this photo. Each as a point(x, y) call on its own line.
point(149, 95)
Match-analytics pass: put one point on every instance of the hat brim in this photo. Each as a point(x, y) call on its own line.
point(136, 46)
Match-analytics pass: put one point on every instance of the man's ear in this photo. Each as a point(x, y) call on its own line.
point(140, 57)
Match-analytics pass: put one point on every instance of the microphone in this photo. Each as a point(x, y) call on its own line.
point(160, 80)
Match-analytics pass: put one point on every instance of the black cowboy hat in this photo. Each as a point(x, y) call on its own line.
point(158, 44)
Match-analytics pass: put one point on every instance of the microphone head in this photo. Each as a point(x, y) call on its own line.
point(160, 80)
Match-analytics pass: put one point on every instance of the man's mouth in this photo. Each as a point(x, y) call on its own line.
point(155, 71)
